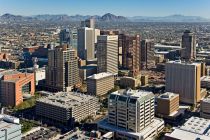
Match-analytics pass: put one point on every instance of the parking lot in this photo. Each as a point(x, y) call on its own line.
point(41, 133)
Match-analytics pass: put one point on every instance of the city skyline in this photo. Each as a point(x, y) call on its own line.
point(94, 7)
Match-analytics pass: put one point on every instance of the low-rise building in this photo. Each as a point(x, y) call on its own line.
point(130, 82)
point(99, 84)
point(205, 108)
point(10, 129)
point(67, 107)
point(167, 103)
point(205, 82)
point(194, 129)
point(15, 86)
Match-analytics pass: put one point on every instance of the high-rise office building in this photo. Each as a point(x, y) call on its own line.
point(188, 45)
point(73, 37)
point(131, 115)
point(184, 79)
point(65, 37)
point(62, 71)
point(131, 53)
point(86, 43)
point(90, 23)
point(107, 53)
point(147, 53)
point(205, 108)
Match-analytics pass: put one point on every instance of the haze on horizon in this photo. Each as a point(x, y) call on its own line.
point(127, 8)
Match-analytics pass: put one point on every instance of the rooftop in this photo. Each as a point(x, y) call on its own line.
point(168, 95)
point(153, 126)
point(66, 99)
point(100, 75)
point(183, 63)
point(134, 94)
point(195, 128)
point(207, 99)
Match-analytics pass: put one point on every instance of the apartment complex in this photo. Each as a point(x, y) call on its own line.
point(86, 43)
point(67, 107)
point(15, 86)
point(131, 115)
point(167, 103)
point(205, 108)
point(99, 84)
point(10, 129)
point(107, 53)
point(194, 129)
point(184, 79)
point(131, 53)
point(62, 72)
point(188, 45)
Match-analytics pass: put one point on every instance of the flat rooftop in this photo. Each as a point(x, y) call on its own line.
point(183, 63)
point(152, 127)
point(207, 99)
point(137, 94)
point(168, 95)
point(195, 128)
point(100, 75)
point(66, 99)
point(205, 78)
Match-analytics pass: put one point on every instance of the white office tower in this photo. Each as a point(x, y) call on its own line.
point(86, 43)
point(107, 53)
point(131, 115)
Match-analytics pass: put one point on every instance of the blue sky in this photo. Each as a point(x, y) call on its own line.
point(100, 7)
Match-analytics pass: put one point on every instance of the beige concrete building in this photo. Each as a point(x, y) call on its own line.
point(86, 43)
point(130, 82)
point(107, 53)
point(205, 108)
point(99, 84)
point(131, 116)
point(62, 72)
point(184, 79)
point(67, 107)
point(167, 103)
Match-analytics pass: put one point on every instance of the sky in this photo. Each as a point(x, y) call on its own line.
point(99, 7)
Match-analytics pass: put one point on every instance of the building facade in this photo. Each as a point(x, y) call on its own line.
point(131, 115)
point(184, 79)
point(99, 84)
point(107, 53)
point(15, 86)
point(10, 129)
point(167, 103)
point(67, 107)
point(188, 45)
point(62, 71)
point(65, 37)
point(147, 53)
point(86, 43)
point(131, 53)
point(205, 108)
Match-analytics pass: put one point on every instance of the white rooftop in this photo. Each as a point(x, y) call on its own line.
point(100, 75)
point(133, 93)
point(205, 78)
point(183, 63)
point(207, 99)
point(195, 128)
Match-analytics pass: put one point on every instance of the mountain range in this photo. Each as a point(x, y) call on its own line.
point(105, 18)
